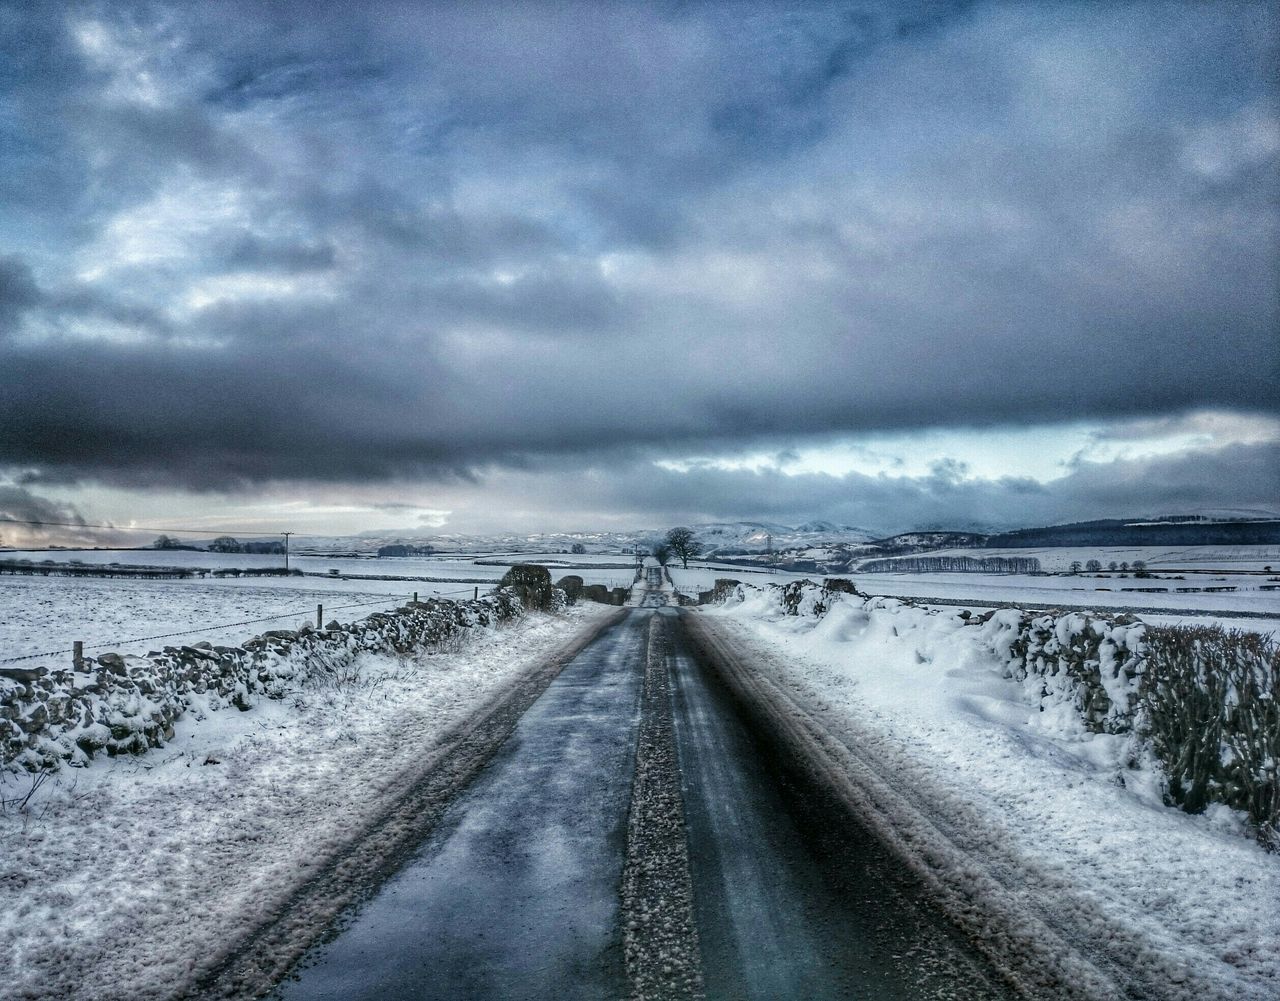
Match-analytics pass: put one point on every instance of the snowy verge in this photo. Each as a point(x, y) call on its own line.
point(1032, 801)
point(1204, 699)
point(119, 879)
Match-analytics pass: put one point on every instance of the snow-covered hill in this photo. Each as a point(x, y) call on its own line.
point(737, 538)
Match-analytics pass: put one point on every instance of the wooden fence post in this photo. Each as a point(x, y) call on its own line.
point(476, 595)
point(319, 616)
point(77, 655)
point(415, 597)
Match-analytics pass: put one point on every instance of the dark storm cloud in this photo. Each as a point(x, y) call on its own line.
point(335, 242)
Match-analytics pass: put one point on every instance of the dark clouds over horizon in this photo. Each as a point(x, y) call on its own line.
point(246, 244)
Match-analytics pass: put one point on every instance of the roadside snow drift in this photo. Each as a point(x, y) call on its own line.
point(1026, 723)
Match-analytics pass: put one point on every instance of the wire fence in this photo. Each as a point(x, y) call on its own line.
point(105, 644)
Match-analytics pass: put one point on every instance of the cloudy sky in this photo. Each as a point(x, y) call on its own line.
point(334, 267)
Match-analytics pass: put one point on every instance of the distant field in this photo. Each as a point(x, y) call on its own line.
point(436, 566)
point(1098, 593)
point(40, 614)
point(1057, 559)
point(47, 613)
point(594, 568)
point(1101, 592)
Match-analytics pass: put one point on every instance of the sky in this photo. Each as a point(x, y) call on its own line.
point(548, 267)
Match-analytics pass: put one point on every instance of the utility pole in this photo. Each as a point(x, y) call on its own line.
point(286, 550)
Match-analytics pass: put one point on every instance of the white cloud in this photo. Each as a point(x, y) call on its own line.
point(170, 231)
point(242, 286)
point(1220, 150)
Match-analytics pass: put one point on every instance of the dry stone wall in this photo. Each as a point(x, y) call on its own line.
point(127, 705)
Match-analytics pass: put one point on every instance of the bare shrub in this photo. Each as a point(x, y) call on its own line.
point(1210, 705)
point(842, 585)
point(533, 584)
point(23, 799)
point(721, 591)
point(572, 586)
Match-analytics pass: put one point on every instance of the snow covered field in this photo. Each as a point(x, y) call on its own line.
point(119, 877)
point(702, 576)
point(1106, 592)
point(39, 614)
point(1088, 832)
point(594, 568)
point(425, 566)
point(202, 600)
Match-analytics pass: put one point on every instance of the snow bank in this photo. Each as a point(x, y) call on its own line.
point(1029, 725)
point(128, 705)
point(1205, 699)
point(1082, 672)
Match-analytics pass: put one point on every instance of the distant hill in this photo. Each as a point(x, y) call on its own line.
point(446, 543)
point(748, 538)
point(828, 547)
point(1200, 529)
point(1169, 530)
point(917, 542)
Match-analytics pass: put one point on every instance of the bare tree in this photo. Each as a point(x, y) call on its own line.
point(954, 564)
point(662, 553)
point(683, 545)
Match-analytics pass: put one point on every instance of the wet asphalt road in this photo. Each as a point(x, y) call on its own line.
point(515, 895)
point(792, 898)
